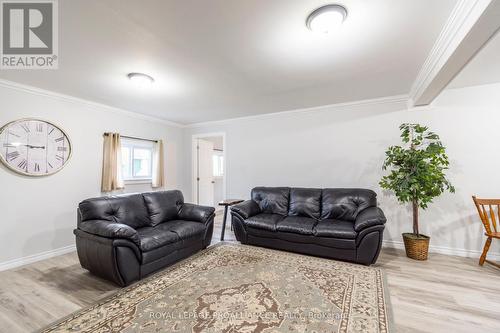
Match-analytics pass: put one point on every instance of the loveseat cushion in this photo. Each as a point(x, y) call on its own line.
point(305, 202)
point(126, 209)
point(345, 204)
point(187, 229)
point(272, 200)
point(154, 237)
point(297, 224)
point(163, 206)
point(169, 232)
point(263, 221)
point(335, 229)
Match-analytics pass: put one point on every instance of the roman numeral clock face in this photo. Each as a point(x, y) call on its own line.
point(34, 147)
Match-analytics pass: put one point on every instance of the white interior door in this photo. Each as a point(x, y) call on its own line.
point(205, 179)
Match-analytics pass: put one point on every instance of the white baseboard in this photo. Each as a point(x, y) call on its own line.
point(444, 250)
point(36, 257)
point(386, 243)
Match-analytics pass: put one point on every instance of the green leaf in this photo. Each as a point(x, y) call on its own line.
point(416, 169)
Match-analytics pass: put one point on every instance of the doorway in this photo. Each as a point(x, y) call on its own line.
point(209, 169)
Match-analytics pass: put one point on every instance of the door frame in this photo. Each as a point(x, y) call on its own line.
point(194, 167)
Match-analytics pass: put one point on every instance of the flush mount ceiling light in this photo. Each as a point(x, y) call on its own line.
point(327, 18)
point(141, 79)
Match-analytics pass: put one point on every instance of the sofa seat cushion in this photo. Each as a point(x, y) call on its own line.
point(170, 250)
point(263, 221)
point(169, 232)
point(338, 243)
point(335, 229)
point(154, 237)
point(297, 224)
point(186, 230)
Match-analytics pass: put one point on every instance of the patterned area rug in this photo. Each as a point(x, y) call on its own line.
point(235, 288)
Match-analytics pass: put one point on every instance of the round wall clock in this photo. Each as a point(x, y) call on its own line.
point(34, 147)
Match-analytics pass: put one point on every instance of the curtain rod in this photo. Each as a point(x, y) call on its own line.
point(134, 138)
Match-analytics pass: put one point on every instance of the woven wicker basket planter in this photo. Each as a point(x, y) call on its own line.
point(416, 247)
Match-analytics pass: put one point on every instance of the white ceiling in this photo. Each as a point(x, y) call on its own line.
point(484, 68)
point(218, 59)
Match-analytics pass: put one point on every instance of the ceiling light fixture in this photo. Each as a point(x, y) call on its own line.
point(141, 79)
point(327, 18)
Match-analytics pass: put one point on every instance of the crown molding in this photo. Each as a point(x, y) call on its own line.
point(71, 99)
point(400, 100)
point(464, 16)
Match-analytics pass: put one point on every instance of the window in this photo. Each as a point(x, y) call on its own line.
point(137, 160)
point(218, 162)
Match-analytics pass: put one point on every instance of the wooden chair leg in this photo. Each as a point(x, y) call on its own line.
point(485, 251)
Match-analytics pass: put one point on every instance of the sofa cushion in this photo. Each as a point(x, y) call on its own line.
point(186, 229)
point(163, 206)
point(305, 202)
point(170, 232)
point(263, 221)
point(335, 229)
point(154, 237)
point(338, 243)
point(345, 204)
point(126, 209)
point(272, 200)
point(297, 224)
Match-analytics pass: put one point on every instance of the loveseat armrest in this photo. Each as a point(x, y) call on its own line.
point(198, 213)
point(246, 209)
point(110, 229)
point(369, 217)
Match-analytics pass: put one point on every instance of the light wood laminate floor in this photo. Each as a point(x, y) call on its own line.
point(444, 294)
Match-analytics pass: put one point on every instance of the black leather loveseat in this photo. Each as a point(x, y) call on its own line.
point(343, 224)
point(126, 237)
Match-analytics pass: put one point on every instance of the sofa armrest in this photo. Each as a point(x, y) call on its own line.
point(369, 217)
point(246, 209)
point(192, 212)
point(110, 229)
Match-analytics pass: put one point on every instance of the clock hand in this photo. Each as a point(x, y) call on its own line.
point(35, 147)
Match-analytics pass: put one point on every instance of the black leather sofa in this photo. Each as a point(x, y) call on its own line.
point(126, 237)
point(341, 223)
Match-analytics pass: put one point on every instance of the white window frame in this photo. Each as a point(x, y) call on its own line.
point(139, 144)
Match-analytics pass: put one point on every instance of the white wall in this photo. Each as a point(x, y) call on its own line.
point(39, 214)
point(343, 146)
point(333, 146)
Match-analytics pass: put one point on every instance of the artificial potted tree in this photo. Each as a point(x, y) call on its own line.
point(417, 176)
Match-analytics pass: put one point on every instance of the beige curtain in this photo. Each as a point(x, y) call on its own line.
point(111, 163)
point(158, 165)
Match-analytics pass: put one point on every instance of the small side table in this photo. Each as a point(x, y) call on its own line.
point(227, 203)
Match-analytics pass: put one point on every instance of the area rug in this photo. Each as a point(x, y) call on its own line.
point(235, 288)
